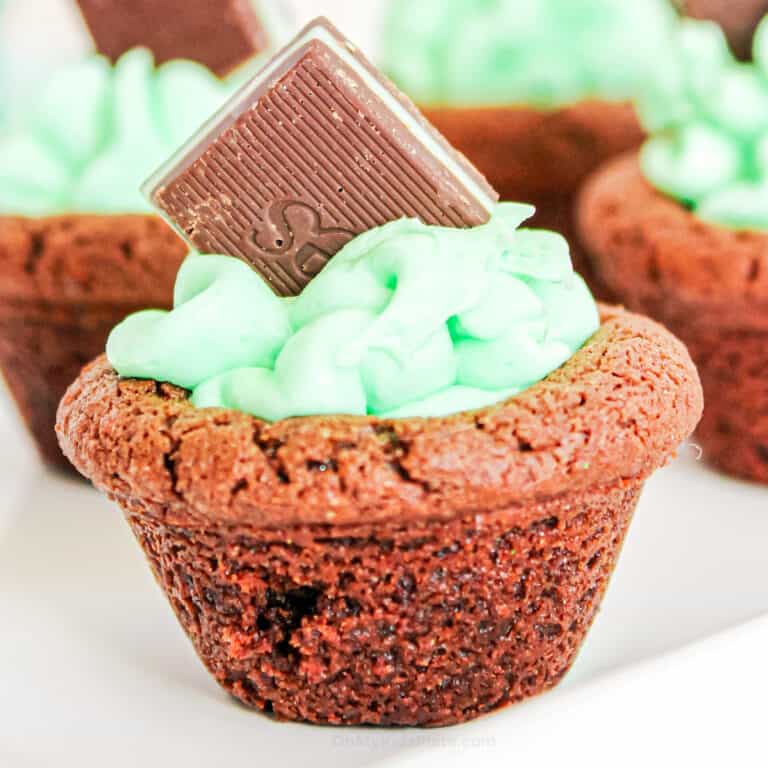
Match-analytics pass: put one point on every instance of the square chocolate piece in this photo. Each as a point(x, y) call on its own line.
point(222, 34)
point(318, 148)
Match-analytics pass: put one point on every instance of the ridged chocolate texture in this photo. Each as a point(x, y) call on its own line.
point(322, 149)
point(221, 34)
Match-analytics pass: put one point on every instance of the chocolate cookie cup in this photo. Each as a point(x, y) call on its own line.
point(66, 281)
point(543, 156)
point(351, 570)
point(708, 284)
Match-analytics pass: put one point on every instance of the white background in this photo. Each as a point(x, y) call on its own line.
point(38, 33)
point(94, 670)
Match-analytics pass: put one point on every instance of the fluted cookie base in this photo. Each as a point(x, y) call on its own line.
point(427, 623)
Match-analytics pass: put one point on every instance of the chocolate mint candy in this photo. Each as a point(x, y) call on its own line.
point(318, 148)
point(218, 33)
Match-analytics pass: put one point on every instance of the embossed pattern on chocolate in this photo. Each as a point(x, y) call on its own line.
point(317, 149)
point(221, 34)
point(292, 236)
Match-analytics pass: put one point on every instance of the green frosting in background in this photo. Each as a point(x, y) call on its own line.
point(96, 132)
point(543, 53)
point(709, 118)
point(406, 320)
point(4, 107)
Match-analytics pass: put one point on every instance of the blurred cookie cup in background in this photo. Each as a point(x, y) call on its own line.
point(79, 246)
point(537, 93)
point(681, 233)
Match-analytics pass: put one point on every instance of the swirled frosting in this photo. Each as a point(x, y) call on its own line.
point(539, 52)
point(406, 320)
point(96, 132)
point(709, 120)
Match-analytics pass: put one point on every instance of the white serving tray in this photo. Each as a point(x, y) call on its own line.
point(95, 671)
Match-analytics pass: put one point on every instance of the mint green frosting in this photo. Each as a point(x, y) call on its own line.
point(406, 320)
point(709, 118)
point(540, 52)
point(96, 132)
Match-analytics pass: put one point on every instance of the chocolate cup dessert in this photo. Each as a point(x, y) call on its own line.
point(351, 570)
point(708, 284)
point(543, 156)
point(66, 281)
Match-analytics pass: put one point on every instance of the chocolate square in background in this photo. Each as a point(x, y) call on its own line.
point(318, 148)
point(222, 34)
